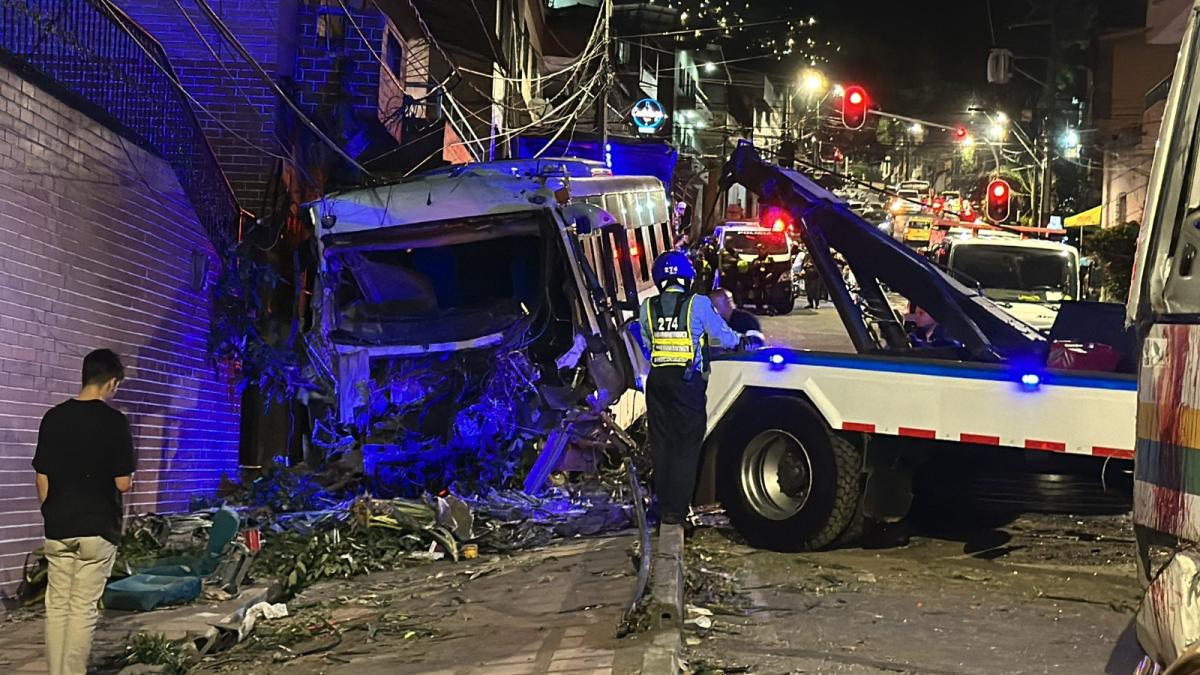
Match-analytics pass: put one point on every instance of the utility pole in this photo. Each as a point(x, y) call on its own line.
point(1043, 208)
point(603, 98)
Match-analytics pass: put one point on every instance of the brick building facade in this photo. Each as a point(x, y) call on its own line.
point(311, 48)
point(99, 247)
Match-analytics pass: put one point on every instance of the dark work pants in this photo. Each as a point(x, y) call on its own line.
point(675, 412)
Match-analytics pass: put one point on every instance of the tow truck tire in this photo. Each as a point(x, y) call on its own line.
point(787, 482)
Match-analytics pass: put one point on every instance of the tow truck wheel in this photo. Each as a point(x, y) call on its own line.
point(786, 481)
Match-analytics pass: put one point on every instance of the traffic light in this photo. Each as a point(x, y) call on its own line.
point(854, 107)
point(998, 196)
point(960, 133)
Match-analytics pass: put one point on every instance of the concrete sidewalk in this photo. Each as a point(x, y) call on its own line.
point(547, 611)
point(23, 644)
point(551, 610)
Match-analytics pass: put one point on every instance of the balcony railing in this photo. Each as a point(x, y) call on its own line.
point(99, 60)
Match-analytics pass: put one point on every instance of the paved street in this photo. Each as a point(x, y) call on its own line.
point(815, 329)
point(1036, 594)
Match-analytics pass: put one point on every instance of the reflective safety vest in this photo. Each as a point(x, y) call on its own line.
point(671, 335)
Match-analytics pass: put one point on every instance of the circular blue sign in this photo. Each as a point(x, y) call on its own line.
point(648, 114)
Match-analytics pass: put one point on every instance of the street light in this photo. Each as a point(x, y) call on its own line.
point(997, 131)
point(710, 67)
point(1070, 139)
point(1001, 118)
point(813, 81)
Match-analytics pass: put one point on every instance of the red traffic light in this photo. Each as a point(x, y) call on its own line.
point(960, 133)
point(854, 107)
point(998, 197)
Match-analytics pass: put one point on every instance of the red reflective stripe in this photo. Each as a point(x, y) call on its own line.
point(916, 433)
point(858, 426)
point(1052, 446)
point(979, 438)
point(1101, 451)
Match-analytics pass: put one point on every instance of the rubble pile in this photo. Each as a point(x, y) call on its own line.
point(456, 419)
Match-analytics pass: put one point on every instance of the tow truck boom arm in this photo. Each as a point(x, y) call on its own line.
point(826, 224)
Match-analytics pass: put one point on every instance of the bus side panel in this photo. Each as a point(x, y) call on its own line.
point(1167, 468)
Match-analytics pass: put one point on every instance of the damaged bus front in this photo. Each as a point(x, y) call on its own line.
point(463, 315)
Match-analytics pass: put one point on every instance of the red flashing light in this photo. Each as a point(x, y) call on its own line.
point(775, 219)
point(999, 189)
point(854, 107)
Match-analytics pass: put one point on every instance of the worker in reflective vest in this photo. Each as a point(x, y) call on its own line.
point(676, 328)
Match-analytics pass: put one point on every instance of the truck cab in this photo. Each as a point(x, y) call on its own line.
point(1028, 278)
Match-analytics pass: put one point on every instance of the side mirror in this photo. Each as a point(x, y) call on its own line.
point(586, 217)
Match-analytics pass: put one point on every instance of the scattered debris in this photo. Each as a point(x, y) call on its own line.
point(156, 650)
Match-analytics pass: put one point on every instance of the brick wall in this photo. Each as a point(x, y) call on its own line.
point(284, 37)
point(97, 249)
point(328, 66)
point(227, 86)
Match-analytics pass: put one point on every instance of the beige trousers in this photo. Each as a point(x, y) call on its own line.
point(78, 570)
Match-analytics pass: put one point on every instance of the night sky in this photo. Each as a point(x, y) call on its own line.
point(922, 57)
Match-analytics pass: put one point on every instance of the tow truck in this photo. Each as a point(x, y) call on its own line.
point(803, 446)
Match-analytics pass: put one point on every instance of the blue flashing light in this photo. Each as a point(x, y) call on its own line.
point(776, 360)
point(1030, 381)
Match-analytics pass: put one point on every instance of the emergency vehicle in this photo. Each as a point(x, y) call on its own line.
point(754, 261)
point(803, 445)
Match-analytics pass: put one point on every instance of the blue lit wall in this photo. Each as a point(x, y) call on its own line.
point(99, 247)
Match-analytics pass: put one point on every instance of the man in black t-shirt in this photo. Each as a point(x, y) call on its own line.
point(84, 463)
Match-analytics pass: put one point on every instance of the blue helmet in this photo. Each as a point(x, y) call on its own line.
point(672, 266)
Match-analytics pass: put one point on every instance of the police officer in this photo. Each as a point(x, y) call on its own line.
point(676, 327)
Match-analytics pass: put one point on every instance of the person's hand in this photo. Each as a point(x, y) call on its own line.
point(751, 340)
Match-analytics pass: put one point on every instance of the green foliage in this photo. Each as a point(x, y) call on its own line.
point(299, 560)
point(156, 650)
point(239, 328)
point(1113, 249)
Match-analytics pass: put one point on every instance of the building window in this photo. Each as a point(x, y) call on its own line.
point(393, 56)
point(1122, 203)
point(331, 26)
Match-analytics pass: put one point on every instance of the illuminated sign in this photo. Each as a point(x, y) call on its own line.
point(648, 115)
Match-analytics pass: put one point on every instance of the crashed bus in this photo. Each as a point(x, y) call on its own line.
point(485, 305)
